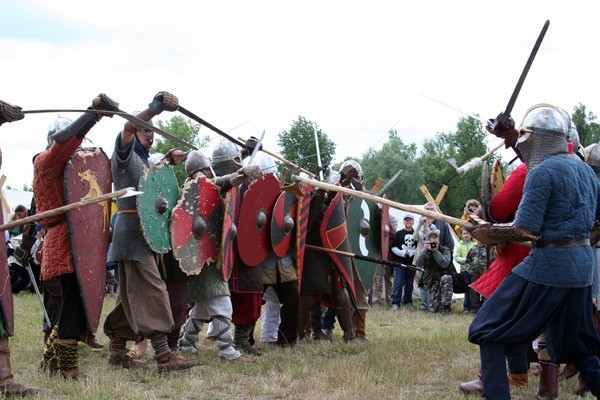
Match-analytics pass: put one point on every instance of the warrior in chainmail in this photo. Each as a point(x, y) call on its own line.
point(143, 309)
point(550, 290)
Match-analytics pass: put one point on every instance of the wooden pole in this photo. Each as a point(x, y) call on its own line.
point(361, 257)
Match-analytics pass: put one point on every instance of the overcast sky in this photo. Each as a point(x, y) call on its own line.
point(354, 68)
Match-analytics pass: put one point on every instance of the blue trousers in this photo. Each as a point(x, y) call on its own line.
point(518, 312)
point(403, 282)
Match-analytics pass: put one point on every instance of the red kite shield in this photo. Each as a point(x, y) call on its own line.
point(282, 223)
point(229, 232)
point(88, 175)
point(301, 230)
point(334, 235)
point(196, 224)
point(254, 238)
point(160, 195)
point(364, 224)
point(6, 299)
point(385, 230)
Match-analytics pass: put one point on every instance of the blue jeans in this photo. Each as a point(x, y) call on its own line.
point(403, 279)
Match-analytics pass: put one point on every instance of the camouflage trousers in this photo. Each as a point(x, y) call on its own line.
point(440, 294)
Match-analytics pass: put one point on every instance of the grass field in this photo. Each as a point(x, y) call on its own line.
point(411, 355)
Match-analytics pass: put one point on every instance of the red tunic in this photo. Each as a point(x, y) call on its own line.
point(49, 193)
point(503, 208)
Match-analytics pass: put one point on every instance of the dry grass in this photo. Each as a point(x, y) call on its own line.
point(412, 355)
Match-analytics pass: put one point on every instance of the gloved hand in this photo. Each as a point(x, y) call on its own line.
point(105, 103)
point(9, 112)
point(251, 143)
point(175, 156)
point(245, 174)
point(164, 101)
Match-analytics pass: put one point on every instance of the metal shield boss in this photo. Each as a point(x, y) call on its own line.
point(155, 204)
point(6, 299)
point(254, 221)
point(334, 235)
point(196, 224)
point(384, 231)
point(88, 175)
point(283, 222)
point(229, 232)
point(364, 225)
point(302, 210)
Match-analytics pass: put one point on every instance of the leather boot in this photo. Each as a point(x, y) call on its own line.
point(241, 339)
point(90, 339)
point(518, 380)
point(49, 359)
point(569, 371)
point(124, 360)
point(173, 362)
point(8, 386)
point(68, 360)
point(360, 320)
point(548, 389)
point(582, 387)
point(472, 387)
point(345, 315)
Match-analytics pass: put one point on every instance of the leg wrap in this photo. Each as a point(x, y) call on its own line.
point(66, 350)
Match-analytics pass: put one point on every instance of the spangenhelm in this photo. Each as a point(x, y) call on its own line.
point(542, 134)
point(592, 156)
point(226, 158)
point(196, 161)
point(57, 125)
point(347, 168)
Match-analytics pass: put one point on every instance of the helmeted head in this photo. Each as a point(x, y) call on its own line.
point(266, 163)
point(155, 158)
point(57, 125)
point(543, 133)
point(592, 157)
point(226, 158)
point(198, 162)
point(351, 174)
point(144, 136)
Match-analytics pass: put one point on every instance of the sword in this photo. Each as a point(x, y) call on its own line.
point(124, 115)
point(318, 153)
point(122, 193)
point(388, 183)
point(361, 257)
point(38, 294)
point(256, 148)
point(210, 126)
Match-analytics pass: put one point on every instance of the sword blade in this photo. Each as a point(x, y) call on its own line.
point(255, 151)
point(210, 126)
point(388, 183)
point(38, 294)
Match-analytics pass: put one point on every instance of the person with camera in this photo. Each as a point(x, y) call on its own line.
point(436, 260)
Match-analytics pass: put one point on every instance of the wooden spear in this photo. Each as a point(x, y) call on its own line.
point(283, 160)
point(361, 257)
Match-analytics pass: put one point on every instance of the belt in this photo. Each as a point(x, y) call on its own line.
point(126, 212)
point(561, 243)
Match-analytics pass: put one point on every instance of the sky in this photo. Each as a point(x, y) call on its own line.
point(357, 69)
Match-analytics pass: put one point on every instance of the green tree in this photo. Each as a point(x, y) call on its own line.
point(394, 156)
point(468, 142)
point(185, 130)
point(298, 144)
point(587, 125)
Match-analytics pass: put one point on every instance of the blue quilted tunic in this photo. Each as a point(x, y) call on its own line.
point(555, 205)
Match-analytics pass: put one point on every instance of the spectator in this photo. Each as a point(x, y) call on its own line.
point(461, 257)
point(403, 250)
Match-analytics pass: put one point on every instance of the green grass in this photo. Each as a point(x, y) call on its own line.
point(411, 355)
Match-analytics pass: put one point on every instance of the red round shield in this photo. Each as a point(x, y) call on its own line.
point(229, 233)
point(196, 223)
point(88, 175)
point(254, 239)
point(282, 223)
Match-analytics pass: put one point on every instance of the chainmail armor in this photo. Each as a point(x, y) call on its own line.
point(541, 146)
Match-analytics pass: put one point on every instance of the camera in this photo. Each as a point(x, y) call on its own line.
point(433, 245)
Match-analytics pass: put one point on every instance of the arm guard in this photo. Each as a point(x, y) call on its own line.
point(491, 234)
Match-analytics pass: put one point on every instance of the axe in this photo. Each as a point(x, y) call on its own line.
point(124, 115)
point(361, 257)
point(378, 200)
point(475, 162)
point(122, 193)
point(283, 160)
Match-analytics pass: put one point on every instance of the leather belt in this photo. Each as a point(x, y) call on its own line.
point(544, 244)
point(127, 212)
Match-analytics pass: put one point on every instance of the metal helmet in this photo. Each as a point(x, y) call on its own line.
point(351, 168)
point(57, 125)
point(592, 156)
point(196, 161)
point(155, 158)
point(572, 134)
point(226, 158)
point(266, 163)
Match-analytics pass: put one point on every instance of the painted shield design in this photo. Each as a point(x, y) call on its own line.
point(302, 228)
point(384, 243)
point(364, 225)
point(496, 178)
point(88, 175)
point(6, 299)
point(229, 232)
point(155, 204)
point(283, 223)
point(334, 235)
point(254, 222)
point(196, 223)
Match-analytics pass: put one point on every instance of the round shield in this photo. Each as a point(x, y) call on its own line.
point(254, 238)
point(364, 224)
point(196, 223)
point(87, 175)
point(229, 233)
point(282, 223)
point(384, 231)
point(159, 197)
